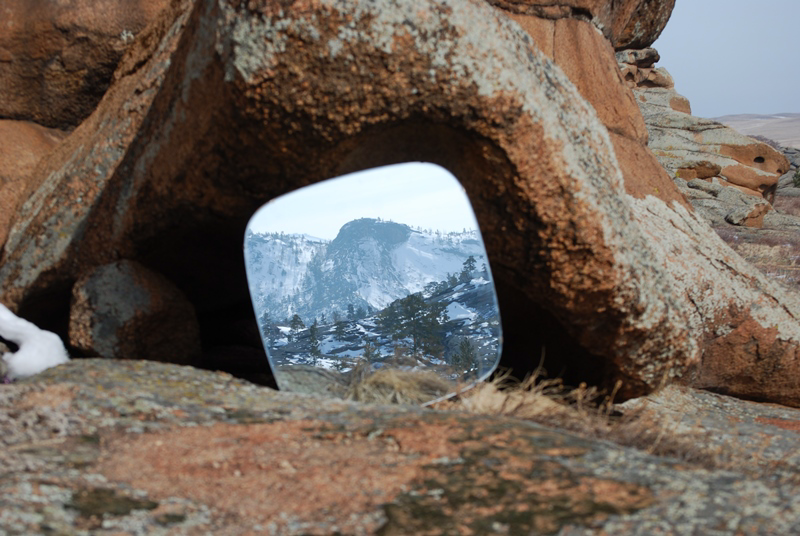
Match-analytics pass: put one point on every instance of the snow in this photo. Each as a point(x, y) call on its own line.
point(290, 274)
point(456, 311)
point(38, 349)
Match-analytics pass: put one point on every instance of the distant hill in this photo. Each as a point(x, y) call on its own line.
point(783, 128)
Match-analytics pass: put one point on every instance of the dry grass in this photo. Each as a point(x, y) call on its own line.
point(584, 411)
point(395, 386)
point(587, 412)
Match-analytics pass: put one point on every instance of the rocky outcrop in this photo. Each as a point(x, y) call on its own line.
point(174, 193)
point(625, 24)
point(580, 50)
point(220, 107)
point(730, 180)
point(57, 58)
point(690, 147)
point(176, 450)
point(774, 248)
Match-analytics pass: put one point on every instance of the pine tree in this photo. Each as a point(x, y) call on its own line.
point(369, 351)
point(340, 330)
point(313, 338)
point(412, 317)
point(295, 325)
point(465, 358)
point(467, 269)
point(264, 325)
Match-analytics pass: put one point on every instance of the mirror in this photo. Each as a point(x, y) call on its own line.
point(374, 286)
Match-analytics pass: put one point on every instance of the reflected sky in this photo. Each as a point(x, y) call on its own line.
point(418, 194)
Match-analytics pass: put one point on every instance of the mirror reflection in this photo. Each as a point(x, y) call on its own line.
point(374, 286)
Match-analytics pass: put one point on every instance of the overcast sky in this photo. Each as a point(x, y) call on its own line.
point(734, 56)
point(417, 194)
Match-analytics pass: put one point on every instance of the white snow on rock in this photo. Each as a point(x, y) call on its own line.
point(457, 311)
point(38, 349)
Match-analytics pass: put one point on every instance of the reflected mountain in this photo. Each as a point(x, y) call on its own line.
point(380, 293)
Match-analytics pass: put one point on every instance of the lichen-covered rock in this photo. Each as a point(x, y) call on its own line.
point(225, 105)
point(718, 203)
point(626, 24)
point(638, 69)
point(246, 113)
point(125, 311)
point(143, 447)
point(57, 57)
point(588, 60)
point(691, 147)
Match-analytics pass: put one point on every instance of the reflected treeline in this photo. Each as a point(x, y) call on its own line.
point(451, 327)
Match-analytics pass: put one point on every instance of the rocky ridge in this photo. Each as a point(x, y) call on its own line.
point(700, 155)
point(580, 239)
point(217, 106)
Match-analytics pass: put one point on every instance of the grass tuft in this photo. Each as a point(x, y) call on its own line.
point(590, 413)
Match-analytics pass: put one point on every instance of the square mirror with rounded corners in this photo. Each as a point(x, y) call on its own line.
point(374, 286)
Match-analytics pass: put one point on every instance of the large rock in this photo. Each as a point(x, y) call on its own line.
point(588, 59)
point(239, 124)
point(626, 24)
point(134, 447)
point(224, 106)
point(22, 146)
point(57, 57)
point(691, 147)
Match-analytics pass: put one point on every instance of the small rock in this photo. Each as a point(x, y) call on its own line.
point(127, 311)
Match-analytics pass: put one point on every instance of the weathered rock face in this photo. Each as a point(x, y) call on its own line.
point(579, 49)
point(129, 312)
point(626, 24)
point(178, 450)
point(22, 145)
point(214, 124)
point(57, 57)
point(225, 105)
point(690, 147)
point(775, 246)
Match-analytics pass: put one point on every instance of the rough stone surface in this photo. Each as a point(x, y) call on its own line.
point(22, 145)
point(626, 24)
point(638, 71)
point(57, 57)
point(690, 147)
point(222, 106)
point(101, 446)
point(683, 143)
point(718, 203)
point(750, 347)
point(243, 115)
point(125, 311)
point(589, 62)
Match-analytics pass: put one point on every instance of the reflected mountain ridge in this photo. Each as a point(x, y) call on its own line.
point(368, 265)
point(382, 311)
point(380, 292)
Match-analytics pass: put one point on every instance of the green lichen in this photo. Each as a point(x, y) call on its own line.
point(99, 501)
